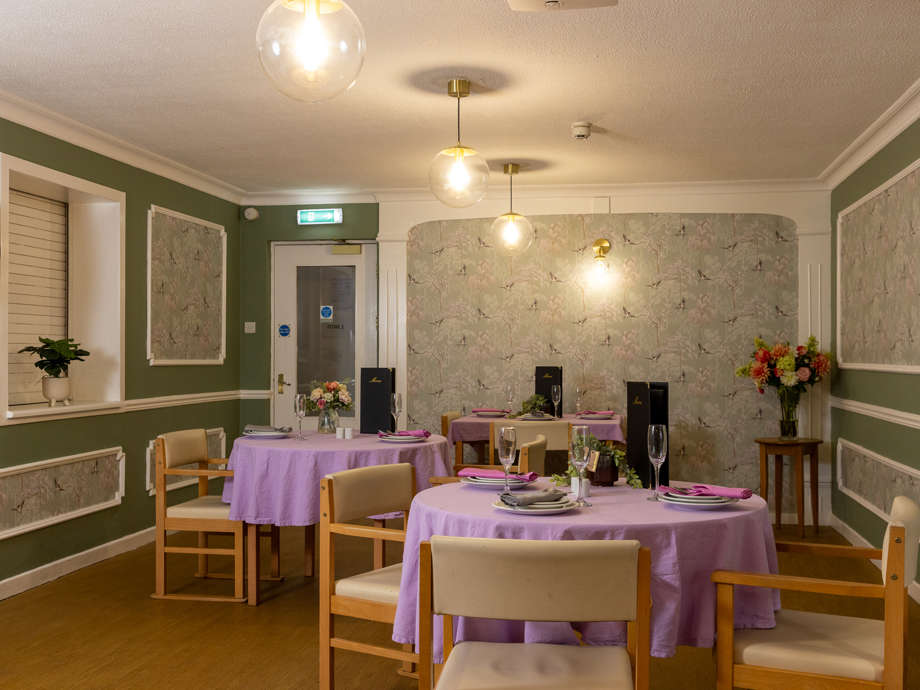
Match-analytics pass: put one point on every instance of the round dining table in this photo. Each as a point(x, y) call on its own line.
point(686, 546)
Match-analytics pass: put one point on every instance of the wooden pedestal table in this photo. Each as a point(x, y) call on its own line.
point(797, 449)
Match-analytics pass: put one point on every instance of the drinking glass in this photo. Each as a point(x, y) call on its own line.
point(578, 393)
point(507, 440)
point(556, 393)
point(300, 409)
point(580, 460)
point(396, 409)
point(657, 450)
point(509, 397)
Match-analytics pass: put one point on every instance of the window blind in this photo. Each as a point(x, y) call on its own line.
point(37, 287)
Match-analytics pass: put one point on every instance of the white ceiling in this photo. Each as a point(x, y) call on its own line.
point(684, 90)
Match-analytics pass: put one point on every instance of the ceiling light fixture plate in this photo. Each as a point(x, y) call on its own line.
point(458, 88)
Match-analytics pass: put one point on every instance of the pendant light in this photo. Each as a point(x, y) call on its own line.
point(312, 50)
point(513, 233)
point(458, 175)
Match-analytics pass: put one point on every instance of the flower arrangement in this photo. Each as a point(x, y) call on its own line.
point(790, 371)
point(329, 395)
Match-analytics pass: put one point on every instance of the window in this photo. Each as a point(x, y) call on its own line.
point(37, 286)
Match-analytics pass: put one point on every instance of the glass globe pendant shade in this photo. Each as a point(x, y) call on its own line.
point(513, 233)
point(312, 50)
point(458, 176)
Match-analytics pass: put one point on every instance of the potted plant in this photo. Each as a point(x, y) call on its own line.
point(54, 358)
point(610, 464)
point(533, 405)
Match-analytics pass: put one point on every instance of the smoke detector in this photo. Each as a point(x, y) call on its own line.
point(581, 131)
point(553, 5)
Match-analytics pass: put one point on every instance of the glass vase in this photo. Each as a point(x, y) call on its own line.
point(328, 420)
point(789, 405)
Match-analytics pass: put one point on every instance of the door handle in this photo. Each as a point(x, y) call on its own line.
point(282, 383)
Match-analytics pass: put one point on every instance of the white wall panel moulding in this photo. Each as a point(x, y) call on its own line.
point(886, 414)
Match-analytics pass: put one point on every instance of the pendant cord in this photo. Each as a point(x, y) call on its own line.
point(510, 193)
point(458, 120)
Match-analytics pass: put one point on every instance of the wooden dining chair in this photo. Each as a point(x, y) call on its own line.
point(819, 650)
point(558, 435)
point(345, 497)
point(533, 452)
point(603, 580)
point(446, 419)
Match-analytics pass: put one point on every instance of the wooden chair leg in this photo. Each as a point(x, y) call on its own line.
point(380, 553)
point(778, 488)
point(276, 551)
point(238, 557)
point(160, 561)
point(725, 636)
point(252, 563)
point(202, 558)
point(309, 547)
point(813, 469)
point(800, 491)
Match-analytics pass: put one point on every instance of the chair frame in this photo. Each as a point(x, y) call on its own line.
point(893, 593)
point(331, 605)
point(203, 526)
point(638, 632)
point(492, 445)
point(522, 467)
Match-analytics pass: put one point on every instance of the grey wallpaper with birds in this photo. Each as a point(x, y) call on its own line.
point(683, 299)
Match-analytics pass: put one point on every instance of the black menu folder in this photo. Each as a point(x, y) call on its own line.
point(646, 403)
point(377, 385)
point(544, 378)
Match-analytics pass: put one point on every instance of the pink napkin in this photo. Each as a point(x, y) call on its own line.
point(610, 412)
point(710, 490)
point(421, 433)
point(494, 474)
point(488, 409)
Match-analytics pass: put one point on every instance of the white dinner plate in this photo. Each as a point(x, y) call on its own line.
point(275, 435)
point(490, 414)
point(514, 486)
point(689, 505)
point(401, 439)
point(595, 416)
point(541, 418)
point(696, 499)
point(565, 507)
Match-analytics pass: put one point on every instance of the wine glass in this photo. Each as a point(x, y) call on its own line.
point(301, 401)
point(578, 393)
point(657, 450)
point(556, 394)
point(396, 409)
point(507, 440)
point(509, 396)
point(580, 460)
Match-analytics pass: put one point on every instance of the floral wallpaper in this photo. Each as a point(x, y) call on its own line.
point(186, 264)
point(876, 482)
point(685, 297)
point(879, 280)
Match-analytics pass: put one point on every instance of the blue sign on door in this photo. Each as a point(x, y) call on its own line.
point(284, 330)
point(325, 312)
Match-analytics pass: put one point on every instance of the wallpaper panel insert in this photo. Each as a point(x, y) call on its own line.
point(872, 479)
point(690, 294)
point(879, 278)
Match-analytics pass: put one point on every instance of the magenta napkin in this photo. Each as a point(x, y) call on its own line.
point(710, 490)
point(494, 474)
point(421, 433)
point(610, 412)
point(488, 409)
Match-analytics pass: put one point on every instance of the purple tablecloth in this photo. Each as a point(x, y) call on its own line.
point(686, 546)
point(276, 481)
point(471, 428)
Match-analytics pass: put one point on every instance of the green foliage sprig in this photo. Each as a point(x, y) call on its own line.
point(55, 356)
point(535, 403)
point(619, 457)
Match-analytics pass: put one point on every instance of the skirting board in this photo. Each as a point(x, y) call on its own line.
point(51, 571)
point(855, 538)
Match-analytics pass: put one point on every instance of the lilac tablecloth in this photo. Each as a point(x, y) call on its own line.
point(276, 481)
point(686, 547)
point(471, 428)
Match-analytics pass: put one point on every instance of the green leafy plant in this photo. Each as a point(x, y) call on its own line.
point(619, 457)
point(55, 356)
point(535, 403)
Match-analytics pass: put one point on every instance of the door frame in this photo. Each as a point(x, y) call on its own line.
point(272, 245)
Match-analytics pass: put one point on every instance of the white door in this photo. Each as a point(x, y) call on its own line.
point(324, 322)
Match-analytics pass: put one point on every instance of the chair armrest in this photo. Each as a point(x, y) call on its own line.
point(367, 532)
point(201, 473)
point(830, 550)
point(800, 584)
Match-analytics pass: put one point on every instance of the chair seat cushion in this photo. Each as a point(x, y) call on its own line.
point(489, 665)
point(816, 643)
point(374, 585)
point(201, 508)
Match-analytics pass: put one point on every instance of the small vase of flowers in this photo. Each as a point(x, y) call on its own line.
point(327, 398)
point(790, 371)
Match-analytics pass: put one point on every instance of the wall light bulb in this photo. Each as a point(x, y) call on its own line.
point(458, 179)
point(511, 234)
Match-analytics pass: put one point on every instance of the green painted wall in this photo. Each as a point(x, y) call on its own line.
point(23, 443)
point(898, 391)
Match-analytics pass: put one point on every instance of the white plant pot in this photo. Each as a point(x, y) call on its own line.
point(56, 390)
point(587, 482)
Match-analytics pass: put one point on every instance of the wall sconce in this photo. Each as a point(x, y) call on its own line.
point(600, 268)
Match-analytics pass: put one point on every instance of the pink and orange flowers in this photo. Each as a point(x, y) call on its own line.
point(784, 368)
point(330, 394)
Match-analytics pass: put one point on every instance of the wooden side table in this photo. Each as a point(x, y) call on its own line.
point(797, 449)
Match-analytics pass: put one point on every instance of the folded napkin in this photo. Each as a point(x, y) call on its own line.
point(421, 433)
point(494, 474)
point(595, 412)
point(264, 429)
point(488, 409)
point(710, 490)
point(525, 498)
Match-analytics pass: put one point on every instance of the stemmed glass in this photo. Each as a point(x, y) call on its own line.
point(507, 440)
point(580, 460)
point(509, 396)
point(578, 393)
point(300, 409)
point(657, 450)
point(396, 409)
point(556, 393)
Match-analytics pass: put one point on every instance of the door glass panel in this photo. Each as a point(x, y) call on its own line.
point(326, 327)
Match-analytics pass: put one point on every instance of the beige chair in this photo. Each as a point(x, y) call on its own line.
point(345, 497)
point(818, 650)
point(446, 419)
point(535, 580)
point(558, 435)
point(531, 454)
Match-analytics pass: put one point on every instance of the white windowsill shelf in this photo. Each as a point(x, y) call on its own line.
point(43, 410)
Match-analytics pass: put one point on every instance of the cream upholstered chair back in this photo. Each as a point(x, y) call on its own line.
point(556, 433)
point(536, 454)
point(446, 419)
point(540, 580)
point(184, 447)
point(371, 491)
point(904, 512)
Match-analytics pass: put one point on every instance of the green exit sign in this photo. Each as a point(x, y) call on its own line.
point(319, 216)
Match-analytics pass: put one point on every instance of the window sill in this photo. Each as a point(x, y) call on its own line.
point(43, 410)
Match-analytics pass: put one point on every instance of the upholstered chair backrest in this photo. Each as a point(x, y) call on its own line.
point(184, 447)
point(371, 491)
point(446, 419)
point(904, 512)
point(556, 434)
point(535, 580)
point(536, 453)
